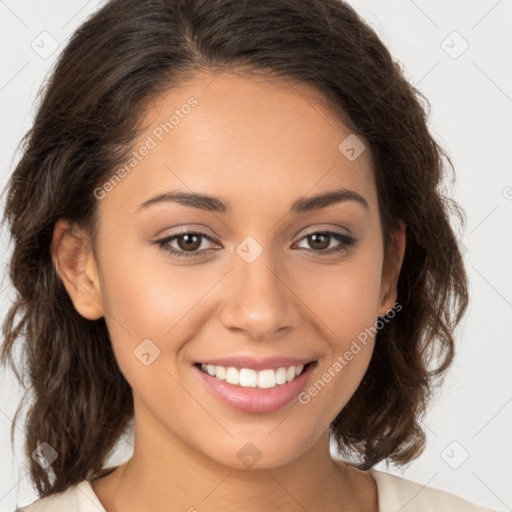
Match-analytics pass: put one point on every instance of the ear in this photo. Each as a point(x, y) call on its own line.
point(76, 266)
point(393, 259)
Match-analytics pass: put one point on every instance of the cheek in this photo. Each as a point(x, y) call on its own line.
point(146, 298)
point(348, 310)
point(345, 303)
point(142, 290)
point(345, 297)
point(335, 383)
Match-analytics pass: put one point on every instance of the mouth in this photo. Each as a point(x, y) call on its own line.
point(249, 378)
point(254, 388)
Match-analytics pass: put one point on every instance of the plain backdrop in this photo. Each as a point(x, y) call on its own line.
point(458, 54)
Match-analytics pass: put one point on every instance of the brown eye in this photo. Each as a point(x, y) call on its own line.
point(189, 242)
point(319, 241)
point(185, 244)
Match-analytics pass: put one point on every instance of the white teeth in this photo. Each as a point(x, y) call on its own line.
point(220, 372)
point(267, 379)
point(232, 376)
point(281, 376)
point(248, 378)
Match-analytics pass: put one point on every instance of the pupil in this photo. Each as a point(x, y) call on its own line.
point(191, 242)
point(324, 240)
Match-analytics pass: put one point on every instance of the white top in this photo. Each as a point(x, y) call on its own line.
point(394, 494)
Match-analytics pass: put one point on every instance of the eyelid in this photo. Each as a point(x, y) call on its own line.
point(176, 234)
point(344, 241)
point(327, 229)
point(211, 239)
point(167, 240)
point(198, 229)
point(341, 238)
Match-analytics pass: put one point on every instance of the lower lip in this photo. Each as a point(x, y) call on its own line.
point(255, 400)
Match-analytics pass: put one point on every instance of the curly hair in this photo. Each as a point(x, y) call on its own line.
point(88, 117)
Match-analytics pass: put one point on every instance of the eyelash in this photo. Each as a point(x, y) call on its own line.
point(347, 241)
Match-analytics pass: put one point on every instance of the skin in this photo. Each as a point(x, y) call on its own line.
point(259, 145)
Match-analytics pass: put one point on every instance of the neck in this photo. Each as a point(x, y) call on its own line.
point(168, 473)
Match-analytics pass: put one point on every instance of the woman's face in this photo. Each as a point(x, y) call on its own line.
point(270, 278)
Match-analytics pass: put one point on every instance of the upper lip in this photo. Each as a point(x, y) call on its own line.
point(255, 363)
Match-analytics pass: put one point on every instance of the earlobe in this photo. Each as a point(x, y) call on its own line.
point(76, 266)
point(391, 269)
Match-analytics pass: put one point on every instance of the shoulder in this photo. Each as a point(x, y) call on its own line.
point(397, 493)
point(77, 498)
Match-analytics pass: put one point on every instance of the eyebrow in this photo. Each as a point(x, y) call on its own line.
point(217, 204)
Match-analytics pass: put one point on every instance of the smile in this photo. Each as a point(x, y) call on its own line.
point(252, 385)
point(249, 378)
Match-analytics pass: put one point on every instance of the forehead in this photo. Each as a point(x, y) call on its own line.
point(246, 138)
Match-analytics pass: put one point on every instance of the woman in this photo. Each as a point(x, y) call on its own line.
point(228, 229)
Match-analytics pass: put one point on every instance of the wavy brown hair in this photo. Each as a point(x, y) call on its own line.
point(87, 119)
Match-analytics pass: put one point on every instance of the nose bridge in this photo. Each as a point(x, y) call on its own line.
point(258, 300)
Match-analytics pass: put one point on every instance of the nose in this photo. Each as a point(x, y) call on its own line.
point(258, 300)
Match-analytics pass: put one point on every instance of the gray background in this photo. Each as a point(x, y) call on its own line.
point(458, 54)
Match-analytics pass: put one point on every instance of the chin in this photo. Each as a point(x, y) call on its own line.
point(260, 449)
